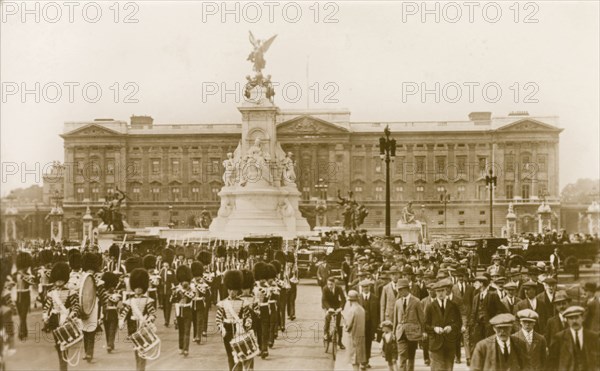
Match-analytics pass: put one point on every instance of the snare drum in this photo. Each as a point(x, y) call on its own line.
point(244, 346)
point(145, 342)
point(68, 334)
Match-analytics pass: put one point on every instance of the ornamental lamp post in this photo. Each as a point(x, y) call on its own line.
point(490, 181)
point(444, 199)
point(387, 153)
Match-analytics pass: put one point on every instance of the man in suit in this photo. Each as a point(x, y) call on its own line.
point(465, 291)
point(425, 303)
point(323, 272)
point(533, 273)
point(530, 301)
point(419, 288)
point(575, 348)
point(486, 305)
point(443, 324)
point(409, 320)
point(509, 300)
point(592, 305)
point(496, 268)
point(167, 282)
point(545, 302)
point(333, 301)
point(557, 323)
point(389, 294)
point(534, 343)
point(501, 351)
point(346, 270)
point(370, 303)
point(463, 316)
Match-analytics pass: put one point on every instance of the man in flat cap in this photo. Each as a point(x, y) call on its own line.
point(545, 299)
point(592, 306)
point(501, 351)
point(530, 301)
point(534, 343)
point(370, 303)
point(425, 303)
point(557, 323)
point(443, 324)
point(486, 305)
point(575, 348)
point(409, 320)
point(509, 300)
point(389, 294)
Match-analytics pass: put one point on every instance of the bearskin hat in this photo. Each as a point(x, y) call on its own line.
point(280, 256)
point(75, 259)
point(183, 274)
point(46, 257)
point(189, 252)
point(277, 265)
point(290, 258)
point(179, 251)
point(168, 255)
point(139, 278)
point(149, 262)
point(110, 280)
point(221, 251)
point(204, 257)
point(232, 279)
point(247, 279)
point(113, 251)
point(133, 263)
point(242, 254)
point(60, 272)
point(91, 262)
point(24, 260)
point(197, 269)
point(260, 271)
point(271, 271)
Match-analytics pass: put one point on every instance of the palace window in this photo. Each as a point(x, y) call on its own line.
point(420, 164)
point(359, 163)
point(155, 213)
point(440, 164)
point(542, 165)
point(482, 222)
point(175, 169)
point(461, 164)
point(481, 192)
point(95, 193)
point(482, 163)
point(377, 163)
point(509, 162)
point(510, 191)
point(461, 212)
point(542, 189)
point(420, 190)
point(155, 223)
point(398, 194)
point(358, 189)
point(155, 193)
point(215, 166)
point(135, 168)
point(110, 189)
point(196, 167)
point(306, 193)
point(481, 212)
point(175, 194)
point(461, 222)
point(440, 212)
point(110, 167)
point(215, 193)
point(195, 194)
point(400, 166)
point(155, 167)
point(378, 193)
point(136, 193)
point(525, 192)
point(79, 193)
point(460, 191)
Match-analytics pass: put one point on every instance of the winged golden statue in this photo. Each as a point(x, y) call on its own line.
point(257, 55)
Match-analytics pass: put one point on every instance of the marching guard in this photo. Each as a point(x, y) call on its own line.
point(111, 314)
point(234, 319)
point(262, 293)
point(91, 264)
point(166, 284)
point(199, 307)
point(61, 305)
point(139, 310)
point(23, 280)
point(43, 273)
point(291, 267)
point(149, 263)
point(207, 278)
point(183, 298)
point(272, 271)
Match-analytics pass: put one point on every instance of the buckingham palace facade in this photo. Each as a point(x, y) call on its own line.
point(171, 173)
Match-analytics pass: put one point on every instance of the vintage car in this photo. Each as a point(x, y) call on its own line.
point(484, 247)
point(572, 254)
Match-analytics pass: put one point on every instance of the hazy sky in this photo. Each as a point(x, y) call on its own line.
point(167, 56)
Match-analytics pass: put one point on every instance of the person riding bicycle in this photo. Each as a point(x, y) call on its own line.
point(333, 301)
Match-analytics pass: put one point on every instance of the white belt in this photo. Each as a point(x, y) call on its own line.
point(272, 301)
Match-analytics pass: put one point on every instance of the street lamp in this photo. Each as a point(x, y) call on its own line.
point(445, 198)
point(387, 153)
point(490, 182)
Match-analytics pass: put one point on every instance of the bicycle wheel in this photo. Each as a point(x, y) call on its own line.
point(334, 343)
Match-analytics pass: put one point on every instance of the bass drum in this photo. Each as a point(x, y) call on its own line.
point(87, 295)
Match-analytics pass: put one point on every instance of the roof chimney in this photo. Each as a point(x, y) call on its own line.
point(139, 122)
point(481, 118)
point(519, 113)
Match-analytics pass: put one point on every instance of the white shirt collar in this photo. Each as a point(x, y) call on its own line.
point(501, 344)
point(579, 334)
point(533, 302)
point(527, 333)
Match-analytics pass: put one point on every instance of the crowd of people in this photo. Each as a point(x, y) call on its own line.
point(500, 318)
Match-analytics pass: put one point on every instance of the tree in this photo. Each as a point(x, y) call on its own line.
point(583, 191)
